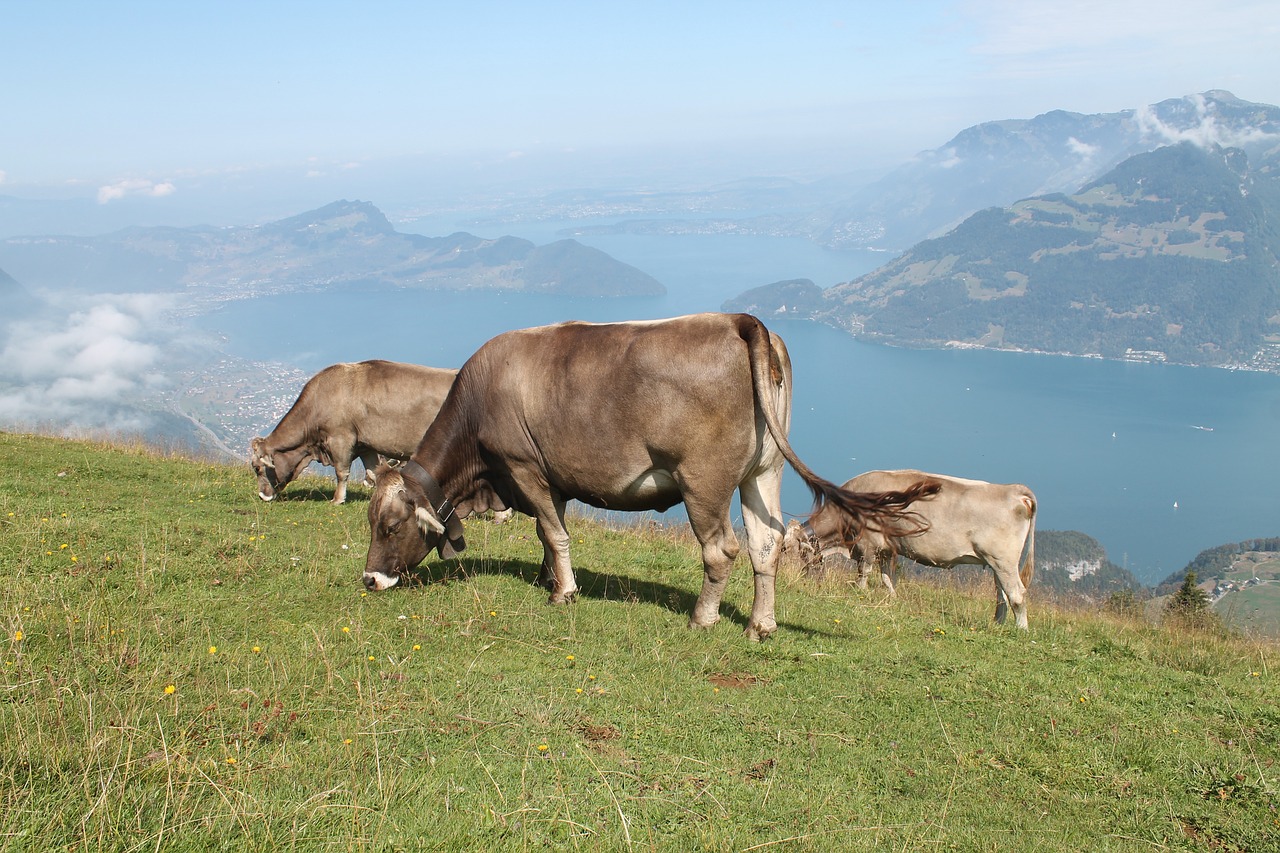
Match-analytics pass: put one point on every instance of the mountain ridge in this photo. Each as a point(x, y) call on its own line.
point(344, 243)
point(1173, 255)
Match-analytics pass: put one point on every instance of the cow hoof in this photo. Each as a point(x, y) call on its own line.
point(562, 597)
point(695, 625)
point(756, 633)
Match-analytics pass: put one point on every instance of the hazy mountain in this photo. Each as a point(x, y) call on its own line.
point(15, 298)
point(344, 243)
point(1172, 255)
point(996, 163)
point(991, 164)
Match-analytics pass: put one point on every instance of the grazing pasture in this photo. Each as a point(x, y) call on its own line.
point(185, 667)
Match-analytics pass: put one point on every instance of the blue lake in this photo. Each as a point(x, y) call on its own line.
point(1156, 462)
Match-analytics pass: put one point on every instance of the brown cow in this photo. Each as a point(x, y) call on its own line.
point(969, 522)
point(349, 410)
point(625, 416)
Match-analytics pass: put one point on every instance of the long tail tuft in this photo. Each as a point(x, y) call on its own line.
point(882, 512)
point(885, 513)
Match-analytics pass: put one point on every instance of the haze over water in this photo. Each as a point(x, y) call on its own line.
point(1156, 462)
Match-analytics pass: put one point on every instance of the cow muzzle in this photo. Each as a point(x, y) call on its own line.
point(378, 581)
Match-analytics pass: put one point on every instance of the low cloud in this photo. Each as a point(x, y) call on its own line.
point(1206, 133)
point(88, 368)
point(134, 186)
point(1083, 150)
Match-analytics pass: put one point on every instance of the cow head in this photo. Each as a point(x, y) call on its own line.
point(797, 544)
point(264, 467)
point(403, 528)
point(275, 468)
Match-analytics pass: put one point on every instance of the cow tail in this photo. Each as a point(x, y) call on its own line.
point(886, 513)
point(1028, 568)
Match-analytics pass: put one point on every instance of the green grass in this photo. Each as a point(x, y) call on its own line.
point(463, 713)
point(1256, 608)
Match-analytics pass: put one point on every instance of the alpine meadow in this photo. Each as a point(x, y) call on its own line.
point(186, 667)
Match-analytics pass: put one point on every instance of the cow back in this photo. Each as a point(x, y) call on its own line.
point(594, 409)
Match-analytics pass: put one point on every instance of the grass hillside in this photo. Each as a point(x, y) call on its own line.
point(183, 667)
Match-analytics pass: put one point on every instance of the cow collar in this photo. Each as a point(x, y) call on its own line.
point(807, 529)
point(444, 508)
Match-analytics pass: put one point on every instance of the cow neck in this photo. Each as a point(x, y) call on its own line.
point(440, 503)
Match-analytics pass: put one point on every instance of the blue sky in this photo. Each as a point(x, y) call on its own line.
point(144, 97)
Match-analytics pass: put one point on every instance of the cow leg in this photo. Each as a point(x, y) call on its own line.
point(888, 569)
point(1002, 603)
point(863, 571)
point(714, 532)
point(762, 517)
point(546, 572)
point(1010, 593)
point(341, 453)
point(557, 572)
point(370, 461)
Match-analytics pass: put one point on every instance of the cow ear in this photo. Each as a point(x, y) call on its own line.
point(257, 449)
point(427, 521)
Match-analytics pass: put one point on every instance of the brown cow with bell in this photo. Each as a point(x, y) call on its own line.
point(625, 416)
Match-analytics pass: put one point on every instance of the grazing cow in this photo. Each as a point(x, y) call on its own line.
point(625, 416)
point(349, 410)
point(968, 522)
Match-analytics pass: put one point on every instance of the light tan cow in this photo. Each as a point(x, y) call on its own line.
point(969, 522)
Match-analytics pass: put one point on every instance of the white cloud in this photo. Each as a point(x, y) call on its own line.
point(1016, 28)
point(84, 369)
point(134, 186)
point(1099, 55)
point(1205, 133)
point(1083, 150)
point(951, 159)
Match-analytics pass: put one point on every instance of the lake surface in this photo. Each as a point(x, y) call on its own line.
point(1156, 462)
